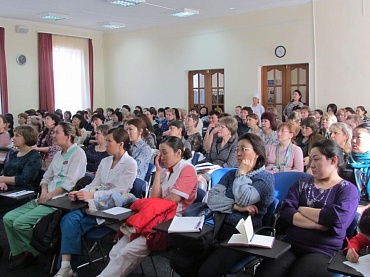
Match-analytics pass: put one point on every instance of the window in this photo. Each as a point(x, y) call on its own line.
point(71, 73)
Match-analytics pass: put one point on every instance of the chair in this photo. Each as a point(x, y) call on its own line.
point(284, 180)
point(138, 188)
point(218, 174)
point(148, 179)
point(195, 158)
point(268, 222)
point(200, 195)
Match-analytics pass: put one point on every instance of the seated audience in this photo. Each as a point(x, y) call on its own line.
point(341, 115)
point(246, 191)
point(22, 119)
point(95, 153)
point(117, 119)
point(22, 167)
point(115, 174)
point(140, 151)
point(192, 135)
point(79, 121)
point(326, 121)
point(284, 156)
point(177, 129)
point(268, 127)
point(253, 124)
point(66, 168)
point(332, 109)
point(341, 133)
point(170, 116)
point(361, 112)
point(212, 130)
point(45, 143)
point(67, 116)
point(242, 123)
point(318, 211)
point(295, 120)
point(353, 120)
point(175, 182)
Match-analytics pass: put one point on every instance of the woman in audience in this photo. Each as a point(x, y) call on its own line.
point(67, 116)
point(295, 120)
point(341, 133)
point(359, 160)
point(175, 182)
point(117, 119)
point(36, 122)
point(309, 135)
point(222, 151)
point(115, 174)
point(193, 135)
point(353, 121)
point(9, 125)
point(243, 125)
point(140, 151)
point(361, 112)
point(285, 156)
point(253, 124)
point(295, 103)
point(177, 129)
point(79, 121)
point(22, 167)
point(268, 126)
point(326, 121)
point(45, 143)
point(66, 168)
point(149, 136)
point(5, 141)
point(332, 109)
point(248, 190)
point(211, 131)
point(319, 210)
point(341, 115)
point(96, 152)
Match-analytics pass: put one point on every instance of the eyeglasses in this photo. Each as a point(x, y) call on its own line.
point(242, 149)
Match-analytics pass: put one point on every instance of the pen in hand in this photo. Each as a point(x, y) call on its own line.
point(354, 254)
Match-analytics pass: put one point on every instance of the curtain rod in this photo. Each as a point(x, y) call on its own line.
point(64, 35)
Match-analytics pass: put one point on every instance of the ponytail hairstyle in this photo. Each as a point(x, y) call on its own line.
point(176, 144)
point(70, 130)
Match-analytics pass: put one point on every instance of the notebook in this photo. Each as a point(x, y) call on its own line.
point(186, 224)
point(247, 237)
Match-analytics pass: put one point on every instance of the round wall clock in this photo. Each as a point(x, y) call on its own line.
point(280, 51)
point(21, 59)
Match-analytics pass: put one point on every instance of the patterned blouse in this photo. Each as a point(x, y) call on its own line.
point(94, 158)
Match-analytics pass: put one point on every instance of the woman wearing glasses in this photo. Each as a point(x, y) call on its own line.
point(284, 156)
point(241, 192)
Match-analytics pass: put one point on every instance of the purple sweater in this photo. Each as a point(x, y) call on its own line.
point(338, 206)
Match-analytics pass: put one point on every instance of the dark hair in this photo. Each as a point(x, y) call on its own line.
point(140, 125)
point(148, 124)
point(120, 135)
point(203, 107)
point(270, 117)
point(70, 130)
point(109, 110)
point(54, 117)
point(178, 124)
point(365, 125)
point(329, 148)
point(300, 94)
point(3, 118)
point(312, 123)
point(139, 108)
point(364, 223)
point(98, 115)
point(214, 112)
point(152, 111)
point(258, 147)
point(333, 107)
point(176, 144)
point(161, 110)
point(137, 113)
point(177, 114)
point(99, 110)
point(319, 111)
point(69, 113)
point(127, 107)
point(29, 134)
point(362, 108)
point(81, 118)
point(349, 109)
point(248, 109)
point(60, 114)
point(195, 110)
point(119, 115)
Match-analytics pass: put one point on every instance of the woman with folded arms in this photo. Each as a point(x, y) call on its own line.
point(175, 182)
point(284, 156)
point(66, 168)
point(318, 210)
point(116, 173)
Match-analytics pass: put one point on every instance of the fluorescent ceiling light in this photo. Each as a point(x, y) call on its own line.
point(126, 3)
point(53, 16)
point(111, 25)
point(184, 12)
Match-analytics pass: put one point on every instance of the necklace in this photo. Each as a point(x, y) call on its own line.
point(321, 198)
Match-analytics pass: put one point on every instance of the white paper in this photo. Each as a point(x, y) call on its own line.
point(117, 210)
point(186, 224)
point(363, 265)
point(20, 193)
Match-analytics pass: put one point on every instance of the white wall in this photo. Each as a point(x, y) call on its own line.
point(23, 82)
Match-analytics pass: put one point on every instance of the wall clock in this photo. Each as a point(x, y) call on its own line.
point(21, 59)
point(280, 51)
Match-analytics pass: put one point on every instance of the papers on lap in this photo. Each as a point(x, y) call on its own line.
point(206, 167)
point(187, 224)
point(247, 237)
point(363, 265)
point(116, 210)
point(19, 193)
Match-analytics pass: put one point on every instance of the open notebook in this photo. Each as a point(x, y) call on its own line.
point(186, 224)
point(247, 237)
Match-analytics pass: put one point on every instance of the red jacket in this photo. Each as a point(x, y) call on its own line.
point(359, 242)
point(151, 212)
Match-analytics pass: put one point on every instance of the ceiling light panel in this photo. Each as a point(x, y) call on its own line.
point(184, 12)
point(126, 3)
point(53, 16)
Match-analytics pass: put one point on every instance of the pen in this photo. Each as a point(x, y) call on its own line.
point(351, 248)
point(198, 226)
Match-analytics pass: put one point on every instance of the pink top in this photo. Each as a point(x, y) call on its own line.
point(295, 162)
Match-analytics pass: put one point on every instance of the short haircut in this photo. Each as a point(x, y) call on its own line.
point(195, 118)
point(29, 134)
point(288, 126)
point(23, 115)
point(230, 123)
point(270, 117)
point(329, 148)
point(312, 123)
point(104, 129)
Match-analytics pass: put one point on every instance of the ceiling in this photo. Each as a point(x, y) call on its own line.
point(86, 14)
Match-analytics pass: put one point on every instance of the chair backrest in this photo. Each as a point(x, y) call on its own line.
point(138, 188)
point(269, 218)
point(149, 172)
point(218, 174)
point(200, 195)
point(195, 158)
point(284, 180)
point(352, 228)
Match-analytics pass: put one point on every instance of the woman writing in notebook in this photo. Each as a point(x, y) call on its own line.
point(318, 211)
point(241, 192)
